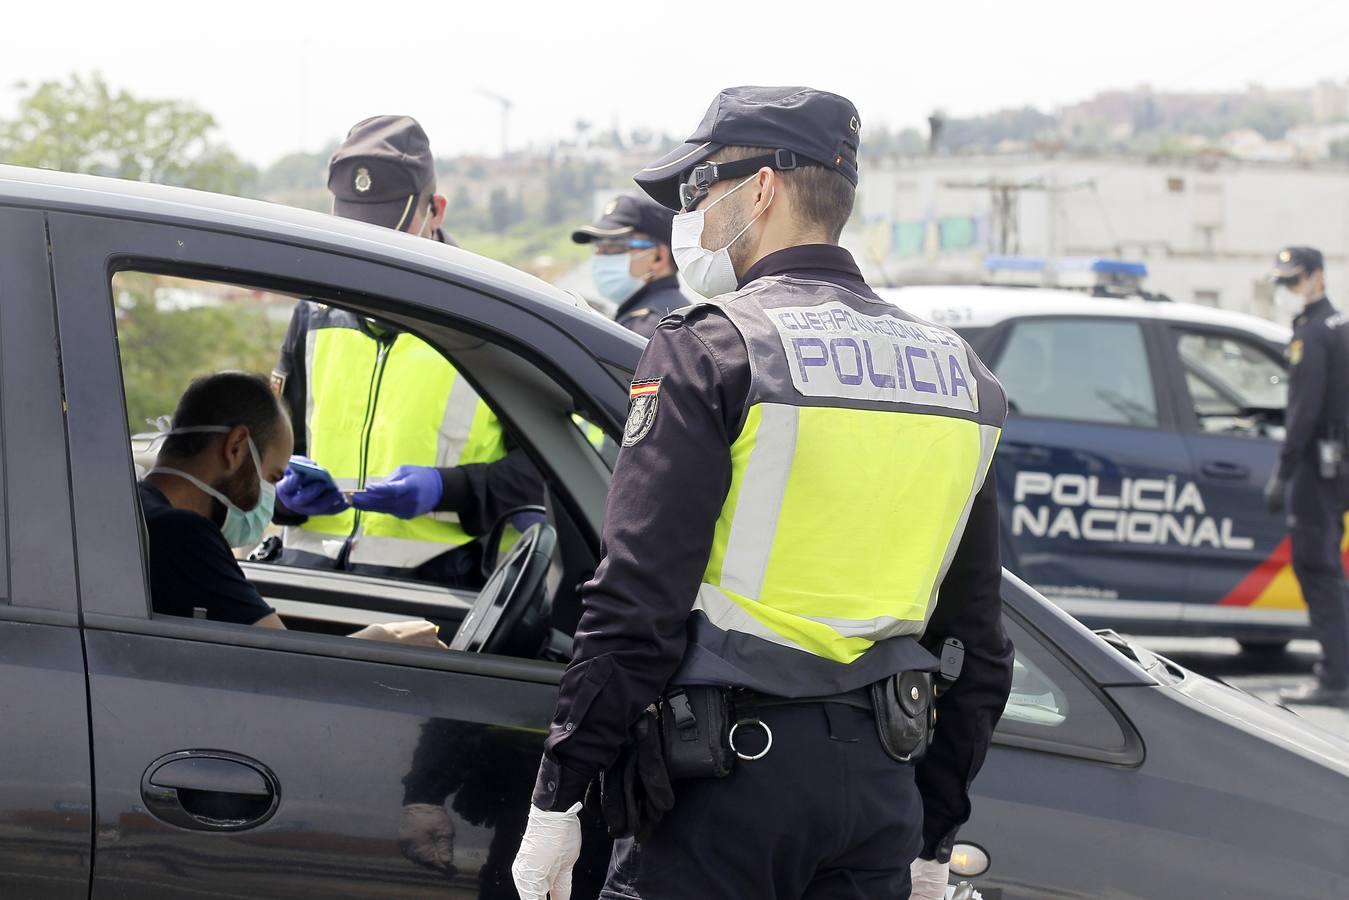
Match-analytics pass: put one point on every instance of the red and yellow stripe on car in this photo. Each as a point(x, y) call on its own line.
point(1272, 584)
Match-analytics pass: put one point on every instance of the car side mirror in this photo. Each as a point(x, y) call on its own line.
point(512, 520)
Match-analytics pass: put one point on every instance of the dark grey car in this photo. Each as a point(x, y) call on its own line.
point(147, 756)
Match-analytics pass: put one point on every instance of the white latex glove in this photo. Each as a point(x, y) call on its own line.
point(418, 632)
point(929, 879)
point(426, 836)
point(549, 850)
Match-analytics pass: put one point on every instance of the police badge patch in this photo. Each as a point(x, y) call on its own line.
point(642, 400)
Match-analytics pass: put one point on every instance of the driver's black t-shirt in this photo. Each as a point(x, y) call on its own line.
point(191, 566)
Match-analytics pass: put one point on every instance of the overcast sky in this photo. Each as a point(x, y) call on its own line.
point(290, 75)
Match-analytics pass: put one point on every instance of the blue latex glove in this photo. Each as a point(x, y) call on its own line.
point(309, 496)
point(408, 492)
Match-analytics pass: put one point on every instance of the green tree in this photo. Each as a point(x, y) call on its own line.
point(83, 125)
point(165, 344)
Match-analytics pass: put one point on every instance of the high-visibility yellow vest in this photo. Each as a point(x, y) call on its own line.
point(867, 436)
point(377, 401)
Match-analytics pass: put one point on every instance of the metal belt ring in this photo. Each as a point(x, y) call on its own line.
point(762, 753)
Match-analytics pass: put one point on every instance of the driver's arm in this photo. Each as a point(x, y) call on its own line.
point(667, 491)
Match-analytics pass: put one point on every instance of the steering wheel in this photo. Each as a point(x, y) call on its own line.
point(510, 614)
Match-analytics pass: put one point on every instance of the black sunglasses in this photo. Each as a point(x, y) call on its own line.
point(699, 181)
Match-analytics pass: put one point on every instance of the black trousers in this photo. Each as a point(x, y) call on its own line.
point(1316, 523)
point(825, 815)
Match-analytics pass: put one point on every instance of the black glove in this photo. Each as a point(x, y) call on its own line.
point(636, 793)
point(1274, 493)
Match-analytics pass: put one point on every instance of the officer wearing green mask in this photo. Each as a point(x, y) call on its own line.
point(801, 520)
point(384, 412)
point(632, 265)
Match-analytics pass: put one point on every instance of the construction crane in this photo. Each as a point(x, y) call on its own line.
point(505, 104)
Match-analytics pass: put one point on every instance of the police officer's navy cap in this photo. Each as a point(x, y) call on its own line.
point(381, 170)
point(1297, 261)
point(817, 127)
point(627, 214)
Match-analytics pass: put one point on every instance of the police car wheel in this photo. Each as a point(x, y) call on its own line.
point(510, 614)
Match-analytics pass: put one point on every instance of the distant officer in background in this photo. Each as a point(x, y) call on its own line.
point(385, 413)
point(632, 265)
point(1311, 473)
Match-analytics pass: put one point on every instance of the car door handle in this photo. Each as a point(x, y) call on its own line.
point(210, 790)
point(1219, 468)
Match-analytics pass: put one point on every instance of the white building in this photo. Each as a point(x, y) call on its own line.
point(1207, 229)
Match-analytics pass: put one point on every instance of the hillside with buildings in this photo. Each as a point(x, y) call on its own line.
point(1202, 187)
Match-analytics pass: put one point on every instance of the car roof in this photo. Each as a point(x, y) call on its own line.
point(980, 306)
point(120, 198)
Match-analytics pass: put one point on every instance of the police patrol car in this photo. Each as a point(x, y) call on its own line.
point(1140, 437)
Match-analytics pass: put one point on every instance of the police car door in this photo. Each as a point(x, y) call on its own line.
point(1093, 478)
point(1230, 388)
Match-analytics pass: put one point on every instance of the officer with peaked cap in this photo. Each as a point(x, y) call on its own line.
point(1311, 474)
point(779, 434)
point(432, 468)
point(632, 265)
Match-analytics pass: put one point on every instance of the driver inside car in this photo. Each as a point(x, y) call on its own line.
point(213, 488)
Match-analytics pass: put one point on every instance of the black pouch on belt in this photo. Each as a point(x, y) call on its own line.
point(695, 724)
point(904, 714)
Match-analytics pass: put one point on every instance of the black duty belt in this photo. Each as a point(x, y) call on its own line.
point(746, 702)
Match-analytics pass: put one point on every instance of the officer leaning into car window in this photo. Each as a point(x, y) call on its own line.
point(632, 264)
point(385, 412)
point(804, 467)
point(1311, 473)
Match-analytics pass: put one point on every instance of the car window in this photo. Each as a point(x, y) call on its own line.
point(1227, 377)
point(1052, 705)
point(1090, 370)
point(173, 329)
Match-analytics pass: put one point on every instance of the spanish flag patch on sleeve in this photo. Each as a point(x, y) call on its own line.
point(643, 397)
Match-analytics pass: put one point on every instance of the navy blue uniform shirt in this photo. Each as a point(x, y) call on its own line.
point(192, 567)
point(643, 311)
point(1318, 384)
point(664, 499)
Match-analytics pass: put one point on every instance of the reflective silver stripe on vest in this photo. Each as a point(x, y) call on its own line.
point(404, 553)
point(310, 337)
point(988, 442)
point(876, 629)
point(319, 543)
point(726, 614)
point(762, 489)
point(457, 422)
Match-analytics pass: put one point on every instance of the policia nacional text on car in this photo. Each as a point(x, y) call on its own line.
point(1312, 475)
point(801, 511)
point(382, 410)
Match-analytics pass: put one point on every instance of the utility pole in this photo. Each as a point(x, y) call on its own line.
point(1004, 196)
point(505, 104)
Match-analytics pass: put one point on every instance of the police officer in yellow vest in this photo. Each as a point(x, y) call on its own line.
point(383, 411)
point(801, 520)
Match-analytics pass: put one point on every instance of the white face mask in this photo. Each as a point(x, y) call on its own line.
point(709, 272)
